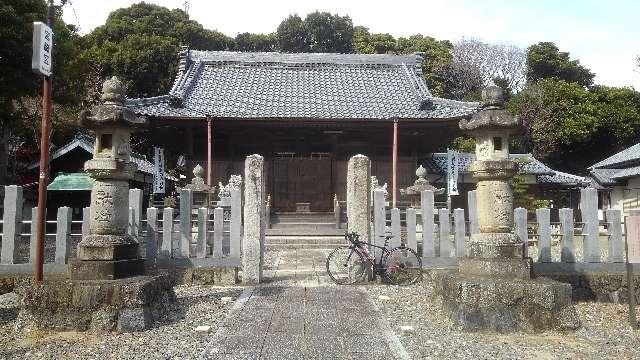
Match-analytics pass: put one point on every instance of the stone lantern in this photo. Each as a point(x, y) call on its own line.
point(413, 192)
point(493, 288)
point(108, 252)
point(108, 288)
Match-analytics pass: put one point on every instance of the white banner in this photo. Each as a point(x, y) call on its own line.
point(42, 48)
point(452, 172)
point(158, 173)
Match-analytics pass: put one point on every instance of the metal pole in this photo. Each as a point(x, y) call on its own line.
point(209, 165)
point(44, 164)
point(394, 163)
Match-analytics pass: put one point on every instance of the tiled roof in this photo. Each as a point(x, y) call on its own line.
point(437, 164)
point(628, 155)
point(86, 143)
point(314, 86)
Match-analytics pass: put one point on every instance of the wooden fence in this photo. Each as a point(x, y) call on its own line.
point(171, 237)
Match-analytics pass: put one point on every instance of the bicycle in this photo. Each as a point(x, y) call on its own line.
point(346, 264)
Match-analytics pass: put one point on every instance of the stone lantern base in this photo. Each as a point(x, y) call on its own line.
point(125, 305)
point(507, 304)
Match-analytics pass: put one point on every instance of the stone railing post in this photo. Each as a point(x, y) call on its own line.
point(12, 223)
point(63, 235)
point(445, 231)
point(186, 199)
point(34, 235)
point(459, 232)
point(543, 217)
point(411, 229)
point(427, 205)
point(359, 197)
point(151, 240)
point(395, 227)
point(254, 220)
point(589, 212)
point(521, 231)
point(201, 245)
point(616, 245)
point(167, 248)
point(218, 228)
point(236, 224)
point(567, 248)
point(135, 203)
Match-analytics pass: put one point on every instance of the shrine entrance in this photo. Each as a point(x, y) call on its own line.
point(302, 182)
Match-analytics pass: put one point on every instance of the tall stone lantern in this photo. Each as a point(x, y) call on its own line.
point(493, 288)
point(108, 288)
point(108, 252)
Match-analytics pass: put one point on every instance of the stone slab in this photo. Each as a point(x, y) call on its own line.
point(105, 270)
point(125, 305)
point(107, 247)
point(506, 268)
point(505, 305)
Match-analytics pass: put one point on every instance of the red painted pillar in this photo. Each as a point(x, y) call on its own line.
point(394, 163)
point(209, 152)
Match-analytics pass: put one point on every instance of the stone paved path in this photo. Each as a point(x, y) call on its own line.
point(300, 315)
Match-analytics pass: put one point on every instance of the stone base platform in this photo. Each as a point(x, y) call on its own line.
point(105, 269)
point(124, 305)
point(507, 304)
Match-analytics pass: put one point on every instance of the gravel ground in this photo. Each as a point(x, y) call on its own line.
point(173, 337)
point(605, 334)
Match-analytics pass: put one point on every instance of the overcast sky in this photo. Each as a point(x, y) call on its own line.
point(603, 35)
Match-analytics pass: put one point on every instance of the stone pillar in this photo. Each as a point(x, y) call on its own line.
point(493, 288)
point(254, 220)
point(359, 196)
point(108, 252)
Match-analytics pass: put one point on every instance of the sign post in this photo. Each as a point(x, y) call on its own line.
point(452, 175)
point(632, 249)
point(41, 63)
point(158, 173)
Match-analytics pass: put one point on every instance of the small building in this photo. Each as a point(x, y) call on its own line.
point(71, 187)
point(307, 114)
point(617, 179)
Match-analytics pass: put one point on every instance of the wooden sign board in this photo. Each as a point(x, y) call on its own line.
point(633, 238)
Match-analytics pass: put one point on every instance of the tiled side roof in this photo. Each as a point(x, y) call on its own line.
point(438, 164)
point(86, 143)
point(626, 156)
point(533, 165)
point(317, 86)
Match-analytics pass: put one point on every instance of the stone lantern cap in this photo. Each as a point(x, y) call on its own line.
point(112, 113)
point(492, 114)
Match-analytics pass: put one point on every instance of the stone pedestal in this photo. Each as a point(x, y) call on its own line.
point(125, 305)
point(358, 196)
point(106, 290)
point(493, 288)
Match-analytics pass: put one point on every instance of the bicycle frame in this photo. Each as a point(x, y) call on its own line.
point(362, 250)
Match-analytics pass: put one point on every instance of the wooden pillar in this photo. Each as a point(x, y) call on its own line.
point(394, 163)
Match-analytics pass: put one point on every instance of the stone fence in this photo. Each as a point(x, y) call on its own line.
point(182, 237)
point(563, 246)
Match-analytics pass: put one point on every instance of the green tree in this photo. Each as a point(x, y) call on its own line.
point(256, 42)
point(292, 35)
point(329, 33)
point(436, 58)
point(366, 43)
point(545, 60)
point(571, 127)
point(140, 45)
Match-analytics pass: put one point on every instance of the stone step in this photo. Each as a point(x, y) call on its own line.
point(305, 240)
point(302, 219)
point(309, 231)
point(300, 246)
point(303, 225)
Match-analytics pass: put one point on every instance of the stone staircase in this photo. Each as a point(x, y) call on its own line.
point(303, 231)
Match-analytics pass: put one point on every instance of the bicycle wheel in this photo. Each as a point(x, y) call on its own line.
point(345, 265)
point(403, 266)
